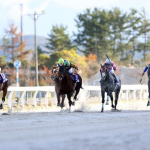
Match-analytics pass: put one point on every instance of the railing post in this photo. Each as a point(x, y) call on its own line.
point(22, 98)
point(46, 99)
point(26, 97)
point(134, 96)
point(55, 96)
point(34, 98)
point(10, 99)
point(39, 96)
point(127, 95)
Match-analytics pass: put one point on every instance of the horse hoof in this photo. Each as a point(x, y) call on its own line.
point(107, 103)
point(58, 104)
point(113, 106)
point(1, 106)
point(76, 99)
point(102, 110)
point(73, 103)
point(148, 104)
point(116, 110)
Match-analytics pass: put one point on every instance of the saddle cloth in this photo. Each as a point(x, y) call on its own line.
point(75, 77)
point(3, 78)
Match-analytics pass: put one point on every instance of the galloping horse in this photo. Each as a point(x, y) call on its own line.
point(67, 85)
point(55, 78)
point(148, 103)
point(4, 83)
point(108, 85)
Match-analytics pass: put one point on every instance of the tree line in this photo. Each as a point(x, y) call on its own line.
point(113, 32)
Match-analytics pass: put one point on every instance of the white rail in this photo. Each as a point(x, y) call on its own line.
point(125, 90)
point(47, 89)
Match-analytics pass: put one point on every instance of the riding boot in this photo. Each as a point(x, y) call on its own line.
point(116, 80)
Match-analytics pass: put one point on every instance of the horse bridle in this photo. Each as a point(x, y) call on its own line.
point(103, 72)
point(62, 72)
point(54, 74)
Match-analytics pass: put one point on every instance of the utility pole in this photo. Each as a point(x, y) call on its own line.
point(35, 16)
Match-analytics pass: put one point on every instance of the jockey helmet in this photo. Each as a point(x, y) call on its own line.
point(67, 63)
point(108, 61)
point(61, 61)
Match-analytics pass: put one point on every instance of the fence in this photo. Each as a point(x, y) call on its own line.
point(137, 90)
point(46, 89)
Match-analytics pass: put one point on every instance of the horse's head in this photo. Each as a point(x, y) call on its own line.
point(54, 73)
point(62, 72)
point(103, 71)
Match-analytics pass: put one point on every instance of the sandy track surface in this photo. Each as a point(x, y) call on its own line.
point(92, 130)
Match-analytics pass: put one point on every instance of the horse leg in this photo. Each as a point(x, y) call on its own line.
point(103, 99)
point(69, 100)
point(77, 92)
point(62, 102)
point(111, 97)
point(148, 103)
point(107, 102)
point(58, 99)
point(116, 97)
point(4, 89)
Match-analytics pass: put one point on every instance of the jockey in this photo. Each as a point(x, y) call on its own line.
point(147, 68)
point(111, 68)
point(69, 66)
point(4, 83)
point(64, 62)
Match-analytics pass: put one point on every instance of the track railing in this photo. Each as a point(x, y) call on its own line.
point(125, 91)
point(38, 89)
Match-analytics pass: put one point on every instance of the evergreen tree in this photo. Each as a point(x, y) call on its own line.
point(58, 39)
point(144, 31)
point(93, 30)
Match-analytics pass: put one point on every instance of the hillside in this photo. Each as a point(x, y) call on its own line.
point(29, 39)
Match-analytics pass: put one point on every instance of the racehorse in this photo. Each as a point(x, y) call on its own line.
point(108, 85)
point(148, 103)
point(4, 87)
point(67, 85)
point(55, 78)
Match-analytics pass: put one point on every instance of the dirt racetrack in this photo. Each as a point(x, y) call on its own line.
point(87, 130)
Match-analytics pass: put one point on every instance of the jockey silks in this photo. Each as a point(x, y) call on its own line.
point(147, 68)
point(3, 78)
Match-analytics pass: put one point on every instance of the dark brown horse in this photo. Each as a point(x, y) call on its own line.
point(67, 85)
point(4, 87)
point(55, 78)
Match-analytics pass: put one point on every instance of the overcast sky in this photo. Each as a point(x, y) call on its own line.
point(56, 12)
